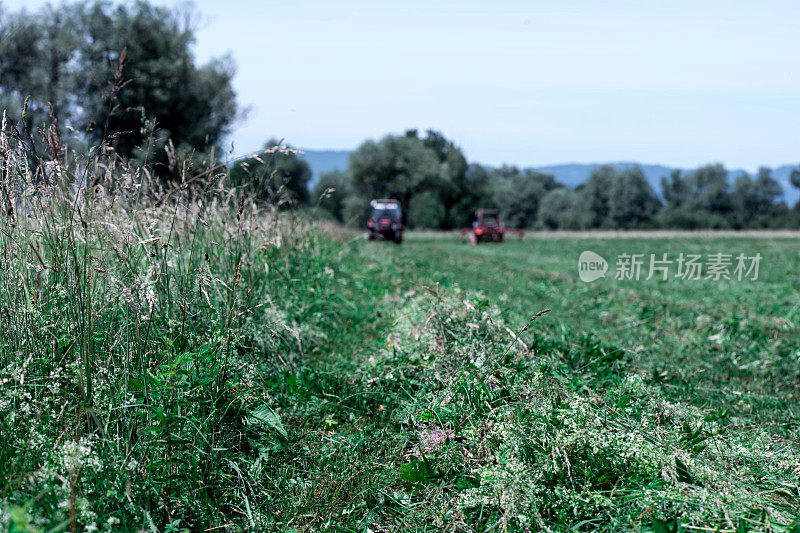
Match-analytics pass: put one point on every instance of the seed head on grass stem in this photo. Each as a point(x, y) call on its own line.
point(523, 330)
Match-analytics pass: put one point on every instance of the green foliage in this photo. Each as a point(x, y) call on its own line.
point(632, 200)
point(330, 192)
point(192, 106)
point(416, 471)
point(563, 208)
point(263, 414)
point(794, 179)
point(598, 191)
point(454, 183)
point(666, 526)
point(395, 167)
point(403, 167)
point(33, 56)
point(276, 175)
point(356, 209)
point(705, 199)
point(136, 334)
point(753, 198)
point(704, 189)
point(448, 193)
point(427, 211)
point(478, 192)
point(115, 72)
point(688, 218)
point(519, 194)
point(674, 189)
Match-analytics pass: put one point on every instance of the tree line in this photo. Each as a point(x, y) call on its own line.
point(125, 75)
point(441, 190)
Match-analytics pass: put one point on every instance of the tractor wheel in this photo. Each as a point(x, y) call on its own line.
point(398, 237)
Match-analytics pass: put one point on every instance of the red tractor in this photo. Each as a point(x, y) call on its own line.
point(487, 227)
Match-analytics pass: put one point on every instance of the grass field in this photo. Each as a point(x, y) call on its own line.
point(631, 405)
point(207, 365)
point(727, 350)
point(727, 343)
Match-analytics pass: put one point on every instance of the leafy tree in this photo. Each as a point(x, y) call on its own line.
point(755, 198)
point(597, 190)
point(674, 189)
point(794, 179)
point(395, 167)
point(707, 189)
point(519, 194)
point(632, 199)
point(427, 210)
point(407, 166)
point(107, 69)
point(330, 191)
point(453, 183)
point(34, 53)
point(357, 208)
point(274, 176)
point(768, 189)
point(563, 208)
point(477, 192)
point(699, 199)
point(744, 200)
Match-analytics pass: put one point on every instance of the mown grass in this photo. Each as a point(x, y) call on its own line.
point(199, 363)
point(713, 343)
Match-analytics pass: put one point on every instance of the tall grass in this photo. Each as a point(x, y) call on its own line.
point(125, 311)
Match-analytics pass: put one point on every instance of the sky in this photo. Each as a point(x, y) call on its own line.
point(530, 83)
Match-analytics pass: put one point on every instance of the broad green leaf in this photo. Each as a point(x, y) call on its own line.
point(415, 472)
point(263, 414)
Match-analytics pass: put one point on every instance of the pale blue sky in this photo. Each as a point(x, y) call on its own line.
point(529, 83)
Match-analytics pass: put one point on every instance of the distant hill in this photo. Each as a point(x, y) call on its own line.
point(322, 161)
point(574, 174)
point(570, 174)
